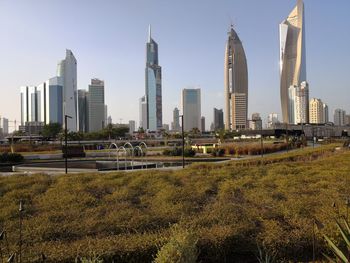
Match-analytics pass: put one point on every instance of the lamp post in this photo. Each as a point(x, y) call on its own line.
point(183, 141)
point(65, 138)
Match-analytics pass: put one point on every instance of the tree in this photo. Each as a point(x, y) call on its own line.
point(51, 130)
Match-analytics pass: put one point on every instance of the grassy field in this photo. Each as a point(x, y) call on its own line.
point(231, 208)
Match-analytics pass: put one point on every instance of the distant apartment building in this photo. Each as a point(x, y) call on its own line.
point(347, 120)
point(96, 105)
point(202, 124)
point(325, 113)
point(339, 117)
point(218, 119)
point(176, 120)
point(83, 113)
point(191, 108)
point(272, 120)
point(316, 112)
point(256, 122)
point(4, 126)
point(143, 113)
point(299, 103)
point(132, 126)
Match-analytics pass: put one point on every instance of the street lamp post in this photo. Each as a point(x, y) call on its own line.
point(65, 138)
point(183, 141)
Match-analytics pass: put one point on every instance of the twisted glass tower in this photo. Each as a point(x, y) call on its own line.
point(153, 86)
point(236, 83)
point(292, 56)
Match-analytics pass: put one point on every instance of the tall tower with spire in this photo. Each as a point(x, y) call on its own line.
point(236, 83)
point(153, 86)
point(292, 56)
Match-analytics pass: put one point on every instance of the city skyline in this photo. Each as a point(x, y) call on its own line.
point(262, 85)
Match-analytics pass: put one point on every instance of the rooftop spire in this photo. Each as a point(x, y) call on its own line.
point(149, 33)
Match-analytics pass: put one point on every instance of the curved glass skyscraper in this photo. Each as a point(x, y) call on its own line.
point(292, 56)
point(236, 83)
point(153, 86)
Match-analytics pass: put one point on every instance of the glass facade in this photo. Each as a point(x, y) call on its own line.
point(153, 82)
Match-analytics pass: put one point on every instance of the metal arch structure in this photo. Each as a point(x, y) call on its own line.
point(144, 145)
point(139, 149)
point(126, 145)
point(119, 149)
point(110, 148)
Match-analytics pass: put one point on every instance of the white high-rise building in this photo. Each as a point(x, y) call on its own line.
point(272, 119)
point(235, 83)
point(256, 122)
point(132, 126)
point(4, 126)
point(43, 103)
point(53, 104)
point(96, 108)
point(325, 113)
point(292, 57)
point(176, 120)
point(191, 108)
point(339, 117)
point(143, 113)
point(67, 69)
point(316, 111)
point(299, 103)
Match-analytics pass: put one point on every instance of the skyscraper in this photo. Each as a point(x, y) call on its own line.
point(255, 122)
point(292, 56)
point(339, 117)
point(96, 105)
point(272, 119)
point(153, 86)
point(316, 111)
point(143, 113)
point(191, 108)
point(218, 119)
point(67, 69)
point(132, 126)
point(176, 120)
point(325, 113)
point(236, 83)
point(202, 124)
point(53, 102)
point(83, 112)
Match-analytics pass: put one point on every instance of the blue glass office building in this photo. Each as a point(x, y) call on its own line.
point(153, 86)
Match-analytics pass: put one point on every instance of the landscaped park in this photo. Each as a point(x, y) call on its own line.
point(274, 208)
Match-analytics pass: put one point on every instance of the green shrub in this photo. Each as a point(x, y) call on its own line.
point(11, 158)
point(218, 152)
point(181, 247)
point(178, 152)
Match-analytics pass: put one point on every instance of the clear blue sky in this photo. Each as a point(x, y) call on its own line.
point(108, 39)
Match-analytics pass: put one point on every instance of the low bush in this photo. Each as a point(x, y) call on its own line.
point(177, 151)
point(11, 158)
point(218, 152)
